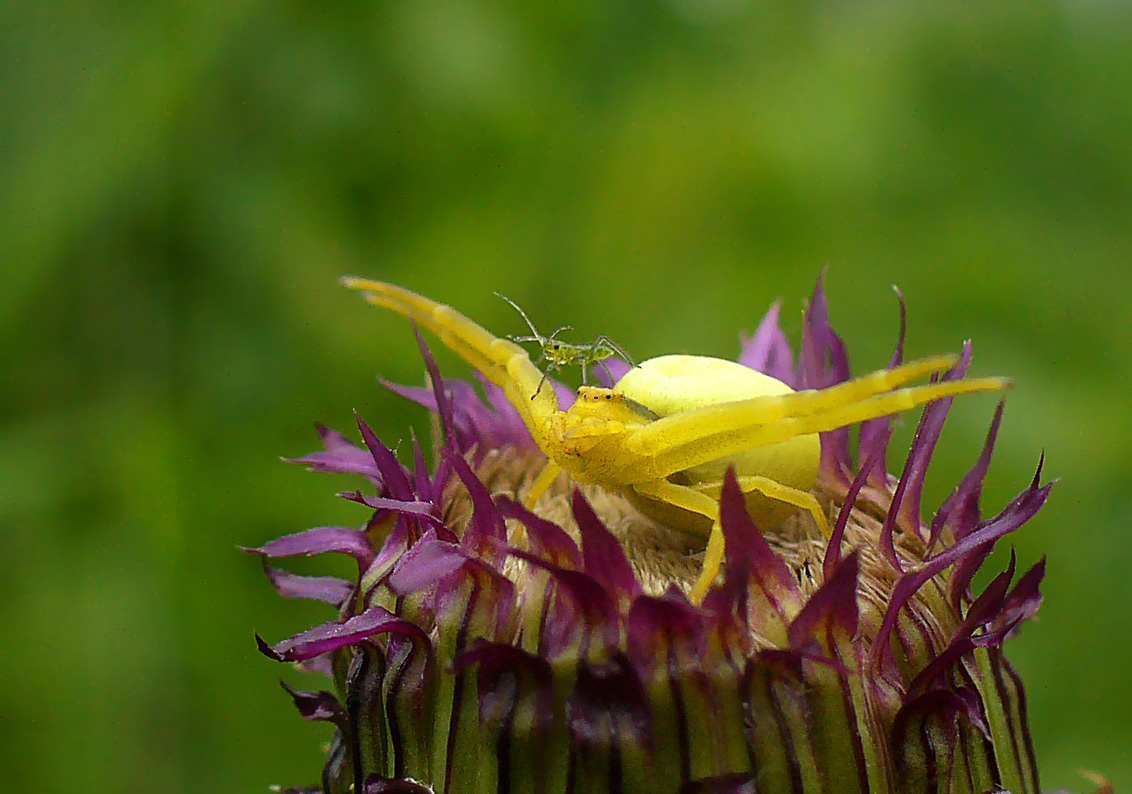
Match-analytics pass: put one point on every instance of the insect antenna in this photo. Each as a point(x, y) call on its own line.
point(555, 363)
point(535, 335)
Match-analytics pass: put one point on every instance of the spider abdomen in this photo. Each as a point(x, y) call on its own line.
point(673, 384)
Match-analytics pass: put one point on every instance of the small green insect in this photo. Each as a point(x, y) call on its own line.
point(561, 354)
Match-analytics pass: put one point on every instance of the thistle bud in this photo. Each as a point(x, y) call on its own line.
point(485, 647)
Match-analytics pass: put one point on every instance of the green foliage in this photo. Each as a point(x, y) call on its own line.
point(182, 184)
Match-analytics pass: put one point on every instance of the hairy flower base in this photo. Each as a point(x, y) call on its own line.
point(488, 648)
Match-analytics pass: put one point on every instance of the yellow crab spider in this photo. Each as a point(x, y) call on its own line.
point(667, 431)
point(561, 354)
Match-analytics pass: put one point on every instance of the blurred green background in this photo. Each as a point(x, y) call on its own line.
point(182, 183)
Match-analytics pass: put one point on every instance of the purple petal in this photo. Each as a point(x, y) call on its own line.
point(505, 675)
point(965, 571)
point(502, 424)
point(980, 613)
point(486, 532)
point(423, 485)
point(545, 538)
point(610, 370)
point(444, 410)
point(332, 636)
point(833, 548)
point(458, 397)
point(319, 665)
point(905, 506)
point(441, 478)
point(658, 624)
point(922, 683)
point(990, 602)
point(906, 499)
point(474, 596)
point(317, 706)
point(834, 604)
point(399, 538)
point(421, 395)
point(748, 555)
point(1014, 515)
point(961, 511)
point(392, 472)
point(947, 703)
point(1023, 601)
point(414, 508)
point(961, 646)
point(327, 589)
point(602, 556)
point(608, 707)
point(320, 540)
point(425, 564)
point(492, 425)
point(767, 350)
point(594, 613)
point(824, 362)
point(735, 783)
point(385, 785)
point(875, 433)
point(340, 456)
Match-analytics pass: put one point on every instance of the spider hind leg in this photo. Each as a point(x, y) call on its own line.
point(778, 492)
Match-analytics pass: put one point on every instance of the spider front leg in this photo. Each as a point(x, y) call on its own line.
point(775, 491)
point(500, 360)
point(701, 435)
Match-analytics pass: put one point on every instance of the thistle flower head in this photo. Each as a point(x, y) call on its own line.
point(486, 647)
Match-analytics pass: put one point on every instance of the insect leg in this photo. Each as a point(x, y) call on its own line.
point(606, 341)
point(557, 331)
point(608, 374)
point(534, 331)
point(542, 380)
